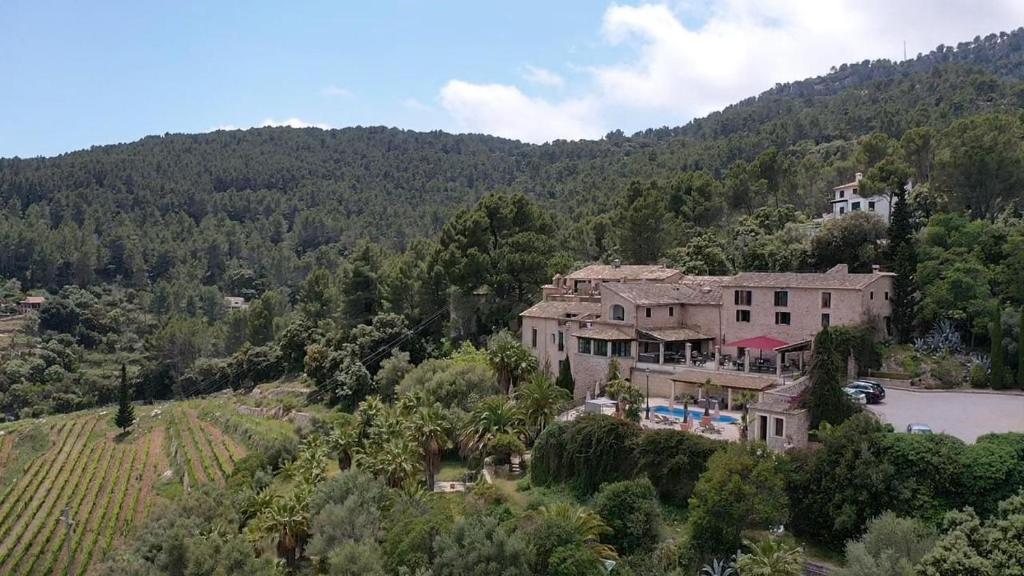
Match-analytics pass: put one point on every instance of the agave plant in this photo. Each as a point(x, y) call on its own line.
point(718, 568)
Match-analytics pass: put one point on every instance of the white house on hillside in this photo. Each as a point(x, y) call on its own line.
point(846, 199)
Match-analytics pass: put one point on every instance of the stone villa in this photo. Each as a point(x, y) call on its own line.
point(671, 333)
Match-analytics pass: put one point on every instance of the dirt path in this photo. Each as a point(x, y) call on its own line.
point(6, 450)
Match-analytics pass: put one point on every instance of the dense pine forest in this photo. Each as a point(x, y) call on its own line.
point(139, 242)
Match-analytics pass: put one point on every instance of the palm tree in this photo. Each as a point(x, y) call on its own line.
point(367, 413)
point(310, 467)
point(394, 459)
point(490, 418)
point(587, 525)
point(771, 557)
point(287, 519)
point(718, 568)
point(344, 441)
point(745, 398)
point(540, 400)
point(432, 429)
point(509, 360)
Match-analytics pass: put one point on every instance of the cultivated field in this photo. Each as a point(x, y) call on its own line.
point(108, 482)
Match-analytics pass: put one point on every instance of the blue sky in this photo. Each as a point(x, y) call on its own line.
point(84, 73)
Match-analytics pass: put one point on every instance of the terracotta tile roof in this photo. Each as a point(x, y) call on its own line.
point(836, 280)
point(34, 300)
point(605, 332)
point(559, 309)
point(675, 334)
point(653, 294)
point(709, 288)
point(624, 272)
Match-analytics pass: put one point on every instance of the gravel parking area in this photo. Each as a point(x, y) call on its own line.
point(962, 414)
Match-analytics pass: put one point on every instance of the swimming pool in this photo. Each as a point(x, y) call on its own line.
point(677, 412)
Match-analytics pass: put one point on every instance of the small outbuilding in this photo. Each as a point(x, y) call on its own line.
point(31, 304)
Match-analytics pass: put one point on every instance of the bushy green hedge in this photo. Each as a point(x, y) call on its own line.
point(673, 460)
point(587, 452)
point(596, 449)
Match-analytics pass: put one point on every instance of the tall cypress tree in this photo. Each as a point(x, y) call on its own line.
point(826, 400)
point(564, 379)
point(1020, 350)
point(125, 416)
point(996, 355)
point(904, 258)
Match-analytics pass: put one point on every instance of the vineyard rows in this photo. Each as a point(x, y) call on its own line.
point(107, 482)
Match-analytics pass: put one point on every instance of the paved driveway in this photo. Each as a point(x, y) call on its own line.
point(962, 414)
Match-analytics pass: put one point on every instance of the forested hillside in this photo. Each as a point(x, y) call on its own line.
point(244, 192)
point(393, 232)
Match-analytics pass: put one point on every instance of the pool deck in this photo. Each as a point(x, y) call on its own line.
point(728, 431)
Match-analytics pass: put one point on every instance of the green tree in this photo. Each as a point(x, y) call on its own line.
point(565, 380)
point(853, 240)
point(891, 546)
point(338, 375)
point(481, 545)
point(510, 360)
point(826, 400)
point(360, 286)
point(673, 460)
point(632, 512)
point(641, 234)
point(561, 525)
point(431, 426)
point(742, 489)
point(998, 370)
point(491, 417)
point(770, 557)
point(260, 319)
point(125, 417)
point(540, 400)
point(904, 302)
point(503, 243)
point(287, 520)
point(317, 297)
point(1020, 349)
point(981, 162)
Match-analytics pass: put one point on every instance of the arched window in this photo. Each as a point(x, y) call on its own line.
point(618, 312)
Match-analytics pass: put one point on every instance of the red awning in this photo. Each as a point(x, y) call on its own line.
point(758, 342)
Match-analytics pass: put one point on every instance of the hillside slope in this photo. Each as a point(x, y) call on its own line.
point(109, 483)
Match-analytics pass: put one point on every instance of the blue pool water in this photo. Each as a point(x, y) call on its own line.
point(677, 412)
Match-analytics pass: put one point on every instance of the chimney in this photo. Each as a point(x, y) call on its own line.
point(858, 176)
point(875, 268)
point(616, 263)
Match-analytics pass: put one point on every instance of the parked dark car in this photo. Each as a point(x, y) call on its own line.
point(873, 390)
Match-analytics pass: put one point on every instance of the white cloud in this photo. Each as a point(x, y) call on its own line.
point(542, 77)
point(336, 91)
point(685, 59)
point(295, 123)
point(505, 111)
point(743, 47)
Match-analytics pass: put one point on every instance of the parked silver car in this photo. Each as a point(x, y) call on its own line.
point(918, 429)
